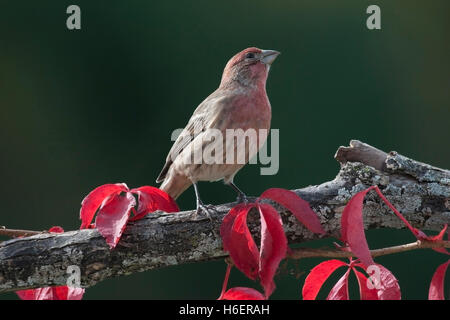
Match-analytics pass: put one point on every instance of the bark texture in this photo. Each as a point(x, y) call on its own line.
point(420, 191)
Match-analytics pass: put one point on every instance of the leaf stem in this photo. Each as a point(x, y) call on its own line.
point(300, 253)
point(225, 281)
point(397, 213)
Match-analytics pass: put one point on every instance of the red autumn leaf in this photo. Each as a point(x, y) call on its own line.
point(113, 216)
point(28, 294)
point(68, 293)
point(56, 229)
point(318, 275)
point(364, 291)
point(340, 289)
point(352, 227)
point(436, 291)
point(242, 293)
point(151, 199)
point(238, 241)
point(299, 207)
point(36, 294)
point(52, 293)
point(112, 223)
point(384, 282)
point(273, 246)
point(94, 199)
point(390, 290)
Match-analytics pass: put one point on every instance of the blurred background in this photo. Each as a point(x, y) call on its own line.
point(98, 105)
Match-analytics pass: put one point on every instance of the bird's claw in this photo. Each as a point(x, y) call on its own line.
point(242, 198)
point(204, 209)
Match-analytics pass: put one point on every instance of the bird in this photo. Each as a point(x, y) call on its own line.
point(240, 102)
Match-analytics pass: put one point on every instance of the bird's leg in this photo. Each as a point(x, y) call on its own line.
point(241, 195)
point(200, 205)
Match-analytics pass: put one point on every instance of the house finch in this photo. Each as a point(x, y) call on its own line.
point(240, 102)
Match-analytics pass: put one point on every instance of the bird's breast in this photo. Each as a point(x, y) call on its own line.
point(251, 111)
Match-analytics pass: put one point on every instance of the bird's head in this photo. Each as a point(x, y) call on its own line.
point(249, 67)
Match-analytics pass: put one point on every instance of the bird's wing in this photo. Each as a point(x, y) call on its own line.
point(204, 117)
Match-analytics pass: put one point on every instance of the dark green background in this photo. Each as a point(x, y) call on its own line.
point(83, 108)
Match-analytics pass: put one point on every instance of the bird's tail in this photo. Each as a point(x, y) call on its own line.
point(175, 185)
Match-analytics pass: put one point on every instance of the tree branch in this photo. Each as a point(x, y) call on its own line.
point(18, 232)
point(421, 192)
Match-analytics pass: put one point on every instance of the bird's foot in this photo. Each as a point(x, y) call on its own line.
point(242, 198)
point(204, 209)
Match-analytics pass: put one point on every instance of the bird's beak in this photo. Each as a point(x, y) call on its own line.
point(268, 56)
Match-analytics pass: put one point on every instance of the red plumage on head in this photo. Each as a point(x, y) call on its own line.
point(241, 56)
point(254, 72)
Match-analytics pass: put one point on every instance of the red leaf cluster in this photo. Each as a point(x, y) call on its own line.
point(262, 263)
point(353, 235)
point(381, 285)
point(52, 293)
point(114, 204)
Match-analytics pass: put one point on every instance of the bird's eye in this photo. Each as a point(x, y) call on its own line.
point(250, 55)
